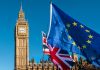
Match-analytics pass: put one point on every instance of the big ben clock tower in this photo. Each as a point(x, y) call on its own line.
point(21, 42)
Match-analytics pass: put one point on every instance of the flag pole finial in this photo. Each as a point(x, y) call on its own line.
point(50, 1)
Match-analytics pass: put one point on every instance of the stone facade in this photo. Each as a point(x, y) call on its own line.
point(22, 45)
point(42, 66)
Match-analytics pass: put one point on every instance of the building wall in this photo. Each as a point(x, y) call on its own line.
point(42, 66)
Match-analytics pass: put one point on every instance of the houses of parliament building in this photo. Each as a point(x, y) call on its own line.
point(22, 47)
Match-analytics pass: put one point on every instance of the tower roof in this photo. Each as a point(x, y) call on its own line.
point(21, 13)
point(21, 8)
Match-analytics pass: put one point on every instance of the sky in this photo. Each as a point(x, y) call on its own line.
point(37, 15)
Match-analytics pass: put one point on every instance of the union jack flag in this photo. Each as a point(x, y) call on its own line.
point(61, 58)
point(44, 41)
point(58, 56)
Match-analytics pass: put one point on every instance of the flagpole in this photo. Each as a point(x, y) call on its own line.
point(50, 18)
point(42, 51)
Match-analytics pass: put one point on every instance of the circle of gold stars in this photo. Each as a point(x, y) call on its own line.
point(90, 37)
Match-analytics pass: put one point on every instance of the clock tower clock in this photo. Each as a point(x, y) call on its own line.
point(21, 42)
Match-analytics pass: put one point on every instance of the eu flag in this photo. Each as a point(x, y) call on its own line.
point(66, 32)
point(58, 35)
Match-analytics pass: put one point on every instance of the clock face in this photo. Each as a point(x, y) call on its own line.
point(22, 30)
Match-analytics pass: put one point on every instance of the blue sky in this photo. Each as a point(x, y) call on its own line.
point(37, 15)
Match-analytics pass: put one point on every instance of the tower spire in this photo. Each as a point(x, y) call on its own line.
point(21, 9)
point(21, 13)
